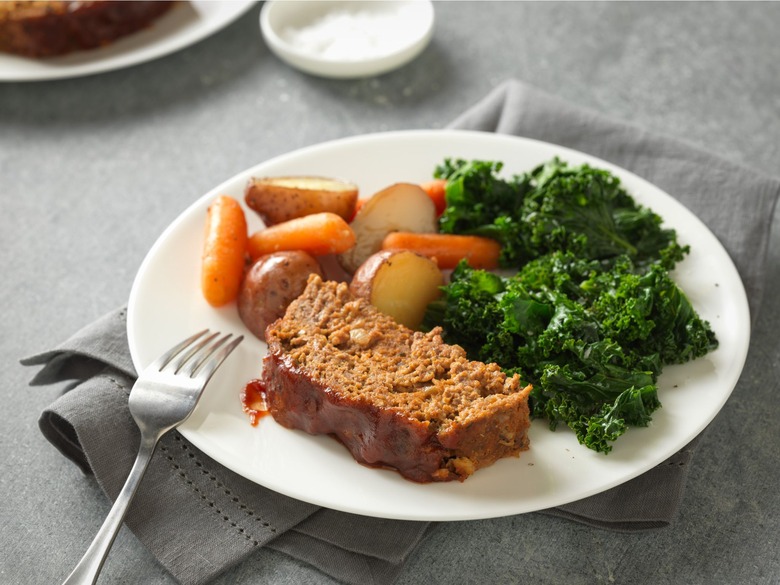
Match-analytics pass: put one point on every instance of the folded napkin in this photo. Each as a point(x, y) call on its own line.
point(198, 518)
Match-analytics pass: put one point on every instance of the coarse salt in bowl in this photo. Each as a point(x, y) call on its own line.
point(347, 39)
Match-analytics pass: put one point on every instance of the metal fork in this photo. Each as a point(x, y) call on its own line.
point(162, 398)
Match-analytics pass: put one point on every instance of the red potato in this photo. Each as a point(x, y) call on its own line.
point(270, 285)
point(400, 207)
point(399, 283)
point(358, 204)
point(279, 199)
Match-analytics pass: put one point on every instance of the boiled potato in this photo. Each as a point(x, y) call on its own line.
point(270, 285)
point(403, 207)
point(399, 283)
point(278, 199)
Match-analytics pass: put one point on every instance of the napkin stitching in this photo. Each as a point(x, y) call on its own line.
point(117, 383)
point(680, 459)
point(212, 504)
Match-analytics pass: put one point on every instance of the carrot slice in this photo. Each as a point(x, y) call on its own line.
point(317, 234)
point(224, 251)
point(447, 249)
point(436, 190)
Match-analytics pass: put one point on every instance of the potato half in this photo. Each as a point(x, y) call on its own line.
point(399, 283)
point(402, 207)
point(270, 286)
point(278, 199)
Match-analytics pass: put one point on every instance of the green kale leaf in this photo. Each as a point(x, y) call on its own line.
point(592, 316)
point(554, 207)
point(591, 335)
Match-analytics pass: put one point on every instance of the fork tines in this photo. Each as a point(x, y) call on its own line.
point(197, 355)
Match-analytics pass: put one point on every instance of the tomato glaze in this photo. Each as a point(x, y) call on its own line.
point(253, 401)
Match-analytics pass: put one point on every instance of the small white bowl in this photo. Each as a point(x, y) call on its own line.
point(347, 39)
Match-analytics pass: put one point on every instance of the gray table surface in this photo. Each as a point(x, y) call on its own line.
point(93, 169)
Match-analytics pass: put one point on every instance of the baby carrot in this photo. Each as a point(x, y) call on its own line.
point(317, 234)
point(436, 190)
point(224, 251)
point(447, 249)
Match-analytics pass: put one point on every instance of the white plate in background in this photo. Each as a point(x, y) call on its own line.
point(166, 306)
point(182, 26)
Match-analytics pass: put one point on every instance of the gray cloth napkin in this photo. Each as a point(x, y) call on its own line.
point(197, 518)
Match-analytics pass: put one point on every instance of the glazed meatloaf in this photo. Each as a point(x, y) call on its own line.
point(394, 397)
point(38, 28)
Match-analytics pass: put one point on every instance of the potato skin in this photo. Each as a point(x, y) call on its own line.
point(399, 283)
point(280, 199)
point(270, 285)
point(403, 207)
point(363, 279)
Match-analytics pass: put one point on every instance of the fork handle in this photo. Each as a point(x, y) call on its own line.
point(88, 568)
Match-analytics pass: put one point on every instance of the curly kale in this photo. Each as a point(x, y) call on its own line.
point(591, 335)
point(592, 316)
point(554, 207)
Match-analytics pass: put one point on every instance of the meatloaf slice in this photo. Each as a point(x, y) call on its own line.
point(395, 397)
point(47, 28)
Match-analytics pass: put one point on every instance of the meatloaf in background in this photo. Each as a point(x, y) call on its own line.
point(39, 28)
point(394, 397)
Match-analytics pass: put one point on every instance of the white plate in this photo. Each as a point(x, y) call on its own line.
point(166, 305)
point(347, 39)
point(182, 26)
